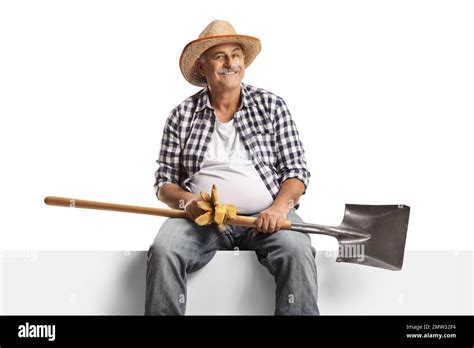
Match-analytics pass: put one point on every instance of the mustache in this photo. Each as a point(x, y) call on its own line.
point(229, 70)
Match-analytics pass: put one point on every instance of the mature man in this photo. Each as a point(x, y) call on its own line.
point(242, 139)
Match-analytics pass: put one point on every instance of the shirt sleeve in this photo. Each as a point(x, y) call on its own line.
point(169, 158)
point(291, 162)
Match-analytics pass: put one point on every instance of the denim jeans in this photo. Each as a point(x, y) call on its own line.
point(182, 247)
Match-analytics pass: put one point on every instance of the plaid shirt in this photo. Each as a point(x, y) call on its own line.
point(265, 127)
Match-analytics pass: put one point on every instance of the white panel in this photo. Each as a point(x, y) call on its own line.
point(113, 282)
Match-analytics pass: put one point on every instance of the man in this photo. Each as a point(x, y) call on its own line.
point(243, 140)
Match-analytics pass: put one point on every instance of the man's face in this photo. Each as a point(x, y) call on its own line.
point(223, 66)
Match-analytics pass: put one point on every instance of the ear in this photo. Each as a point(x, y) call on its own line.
point(198, 66)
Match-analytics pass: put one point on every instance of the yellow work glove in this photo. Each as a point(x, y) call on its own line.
point(215, 212)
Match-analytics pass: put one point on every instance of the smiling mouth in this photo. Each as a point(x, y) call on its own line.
point(228, 73)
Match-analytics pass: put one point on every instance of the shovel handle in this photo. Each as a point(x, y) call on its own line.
point(248, 221)
point(81, 203)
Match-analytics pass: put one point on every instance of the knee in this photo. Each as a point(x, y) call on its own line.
point(295, 247)
point(159, 248)
point(168, 241)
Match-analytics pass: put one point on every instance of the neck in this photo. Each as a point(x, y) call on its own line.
point(225, 103)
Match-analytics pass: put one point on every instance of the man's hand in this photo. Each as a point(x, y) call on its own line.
point(191, 209)
point(177, 197)
point(271, 219)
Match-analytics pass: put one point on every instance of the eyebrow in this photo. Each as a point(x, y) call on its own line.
point(220, 52)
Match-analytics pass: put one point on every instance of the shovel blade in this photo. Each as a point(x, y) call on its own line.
point(387, 226)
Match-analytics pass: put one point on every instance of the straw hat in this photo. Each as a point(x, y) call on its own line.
point(216, 33)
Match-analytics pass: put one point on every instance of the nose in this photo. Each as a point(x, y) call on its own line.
point(228, 61)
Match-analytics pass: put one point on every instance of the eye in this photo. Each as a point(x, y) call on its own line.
point(219, 57)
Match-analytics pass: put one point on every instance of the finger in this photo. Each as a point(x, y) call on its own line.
point(191, 214)
point(271, 225)
point(194, 212)
point(195, 209)
point(265, 224)
point(258, 223)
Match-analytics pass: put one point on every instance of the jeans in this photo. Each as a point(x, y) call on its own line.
point(182, 247)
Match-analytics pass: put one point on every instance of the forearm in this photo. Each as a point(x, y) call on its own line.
point(271, 219)
point(174, 196)
point(289, 194)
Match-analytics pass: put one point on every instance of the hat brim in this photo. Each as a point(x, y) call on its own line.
point(193, 50)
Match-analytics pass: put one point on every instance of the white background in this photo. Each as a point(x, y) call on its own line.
point(381, 91)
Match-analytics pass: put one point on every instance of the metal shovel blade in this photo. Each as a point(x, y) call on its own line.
point(372, 235)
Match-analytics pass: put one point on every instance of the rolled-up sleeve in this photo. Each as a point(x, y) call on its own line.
point(291, 161)
point(169, 157)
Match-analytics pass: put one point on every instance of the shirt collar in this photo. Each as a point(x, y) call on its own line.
point(247, 100)
point(205, 102)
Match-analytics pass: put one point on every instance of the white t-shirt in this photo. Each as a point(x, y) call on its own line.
point(228, 165)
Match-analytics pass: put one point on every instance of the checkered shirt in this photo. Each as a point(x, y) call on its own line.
point(264, 124)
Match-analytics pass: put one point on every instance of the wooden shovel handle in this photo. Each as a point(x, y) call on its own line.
point(81, 203)
point(124, 208)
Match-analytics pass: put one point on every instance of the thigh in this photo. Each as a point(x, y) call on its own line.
point(284, 244)
point(191, 244)
point(184, 233)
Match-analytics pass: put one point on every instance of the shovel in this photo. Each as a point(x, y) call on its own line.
point(371, 235)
